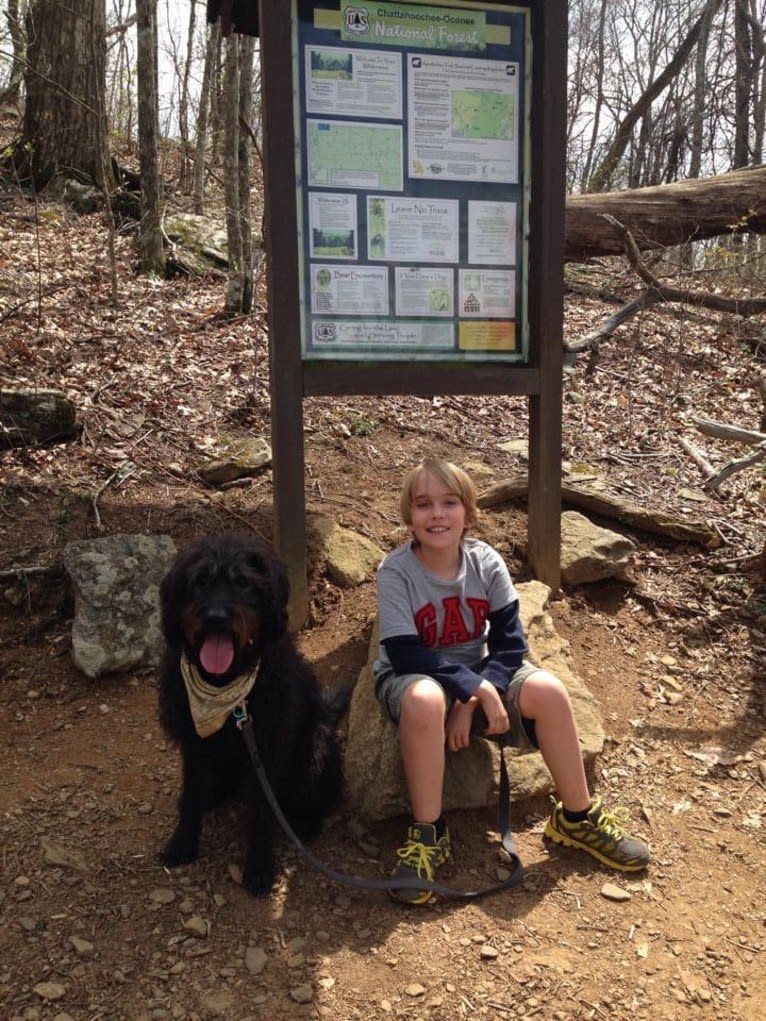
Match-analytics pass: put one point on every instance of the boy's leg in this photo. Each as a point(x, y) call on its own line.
point(419, 705)
point(544, 699)
point(421, 737)
point(577, 820)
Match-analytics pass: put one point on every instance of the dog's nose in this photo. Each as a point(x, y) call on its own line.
point(216, 616)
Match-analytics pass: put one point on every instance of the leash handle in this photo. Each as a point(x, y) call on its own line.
point(245, 724)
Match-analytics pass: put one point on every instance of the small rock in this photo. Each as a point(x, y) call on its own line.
point(62, 857)
point(162, 895)
point(197, 926)
point(255, 960)
point(50, 990)
point(488, 952)
point(415, 989)
point(613, 892)
point(82, 947)
point(301, 994)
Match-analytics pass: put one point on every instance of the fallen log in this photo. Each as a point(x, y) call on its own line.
point(667, 214)
point(627, 512)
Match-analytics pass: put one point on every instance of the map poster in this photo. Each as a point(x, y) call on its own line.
point(462, 116)
point(354, 154)
point(412, 132)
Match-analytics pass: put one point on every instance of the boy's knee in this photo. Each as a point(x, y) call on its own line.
point(542, 689)
point(424, 700)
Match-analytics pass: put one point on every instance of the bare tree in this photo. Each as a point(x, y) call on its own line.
point(150, 234)
point(212, 50)
point(234, 288)
point(606, 170)
point(13, 15)
point(64, 126)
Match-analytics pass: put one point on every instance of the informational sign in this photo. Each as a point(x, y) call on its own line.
point(412, 169)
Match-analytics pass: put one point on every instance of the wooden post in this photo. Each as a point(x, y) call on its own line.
point(280, 218)
point(546, 257)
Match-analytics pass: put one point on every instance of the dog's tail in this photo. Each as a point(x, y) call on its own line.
point(336, 702)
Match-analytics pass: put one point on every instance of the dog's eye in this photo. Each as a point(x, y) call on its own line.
point(241, 581)
point(202, 579)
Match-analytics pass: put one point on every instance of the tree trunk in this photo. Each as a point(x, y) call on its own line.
point(150, 234)
point(205, 93)
point(668, 214)
point(233, 301)
point(10, 93)
point(63, 130)
point(247, 50)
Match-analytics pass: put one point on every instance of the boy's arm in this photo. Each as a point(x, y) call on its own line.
point(407, 654)
point(507, 645)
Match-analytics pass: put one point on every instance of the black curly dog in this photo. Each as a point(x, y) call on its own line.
point(224, 606)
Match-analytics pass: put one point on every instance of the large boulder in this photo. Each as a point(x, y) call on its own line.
point(116, 583)
point(30, 416)
point(374, 774)
point(591, 553)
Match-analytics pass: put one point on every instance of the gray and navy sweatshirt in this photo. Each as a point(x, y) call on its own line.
point(459, 631)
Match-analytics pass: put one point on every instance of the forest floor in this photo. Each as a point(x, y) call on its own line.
point(92, 927)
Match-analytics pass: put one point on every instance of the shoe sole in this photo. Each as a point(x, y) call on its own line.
point(566, 841)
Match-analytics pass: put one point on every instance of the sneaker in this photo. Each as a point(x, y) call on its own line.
point(418, 859)
point(601, 835)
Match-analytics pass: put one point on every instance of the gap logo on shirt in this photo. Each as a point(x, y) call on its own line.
point(459, 624)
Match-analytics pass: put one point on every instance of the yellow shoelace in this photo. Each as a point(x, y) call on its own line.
point(613, 822)
point(417, 856)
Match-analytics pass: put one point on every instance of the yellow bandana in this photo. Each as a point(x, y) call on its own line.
point(211, 706)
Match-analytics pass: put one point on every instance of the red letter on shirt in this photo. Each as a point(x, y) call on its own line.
point(425, 622)
point(455, 632)
point(479, 609)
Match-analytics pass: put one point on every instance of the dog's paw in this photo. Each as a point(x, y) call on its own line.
point(179, 850)
point(258, 879)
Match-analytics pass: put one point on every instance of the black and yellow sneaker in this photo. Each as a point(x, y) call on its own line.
point(602, 835)
point(419, 859)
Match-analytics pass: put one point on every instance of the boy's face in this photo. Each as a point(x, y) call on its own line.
point(438, 517)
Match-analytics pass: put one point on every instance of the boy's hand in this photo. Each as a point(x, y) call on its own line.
point(494, 708)
point(458, 725)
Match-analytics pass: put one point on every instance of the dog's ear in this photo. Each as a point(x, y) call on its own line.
point(280, 595)
point(170, 603)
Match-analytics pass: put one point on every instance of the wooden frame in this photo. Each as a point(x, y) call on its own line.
point(292, 378)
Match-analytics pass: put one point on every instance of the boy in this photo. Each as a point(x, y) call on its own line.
point(451, 662)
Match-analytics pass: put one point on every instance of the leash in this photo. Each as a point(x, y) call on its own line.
point(245, 724)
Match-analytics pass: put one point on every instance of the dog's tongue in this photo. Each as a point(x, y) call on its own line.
point(217, 654)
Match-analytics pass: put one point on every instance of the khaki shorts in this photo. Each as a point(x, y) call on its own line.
point(390, 688)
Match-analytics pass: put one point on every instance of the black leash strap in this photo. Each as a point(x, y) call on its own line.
point(245, 724)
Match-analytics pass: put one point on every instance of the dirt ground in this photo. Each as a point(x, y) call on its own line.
point(92, 927)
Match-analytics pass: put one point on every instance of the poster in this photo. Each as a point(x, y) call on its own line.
point(412, 156)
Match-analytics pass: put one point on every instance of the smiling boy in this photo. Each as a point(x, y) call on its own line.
point(451, 662)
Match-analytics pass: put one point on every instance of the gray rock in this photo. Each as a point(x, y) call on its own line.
point(350, 557)
point(374, 774)
point(590, 553)
point(35, 416)
point(116, 592)
point(243, 460)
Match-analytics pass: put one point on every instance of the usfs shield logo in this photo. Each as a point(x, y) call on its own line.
point(357, 20)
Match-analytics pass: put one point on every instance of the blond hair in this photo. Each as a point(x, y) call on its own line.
point(450, 476)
